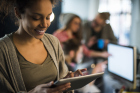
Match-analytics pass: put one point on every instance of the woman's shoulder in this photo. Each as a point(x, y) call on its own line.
point(5, 44)
point(51, 41)
point(4, 40)
point(108, 26)
point(51, 37)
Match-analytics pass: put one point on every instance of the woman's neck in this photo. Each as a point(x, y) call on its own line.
point(24, 37)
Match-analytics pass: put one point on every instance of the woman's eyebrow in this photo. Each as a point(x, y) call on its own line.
point(50, 14)
point(41, 14)
point(38, 14)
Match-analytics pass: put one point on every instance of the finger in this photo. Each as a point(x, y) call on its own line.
point(107, 55)
point(105, 62)
point(61, 87)
point(85, 69)
point(68, 75)
point(110, 54)
point(47, 85)
point(66, 88)
point(71, 74)
point(78, 72)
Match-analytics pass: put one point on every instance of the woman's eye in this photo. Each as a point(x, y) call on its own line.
point(48, 18)
point(35, 18)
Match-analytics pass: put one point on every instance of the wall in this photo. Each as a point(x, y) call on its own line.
point(135, 28)
point(86, 9)
point(93, 9)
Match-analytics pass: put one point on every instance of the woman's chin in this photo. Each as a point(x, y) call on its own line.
point(39, 37)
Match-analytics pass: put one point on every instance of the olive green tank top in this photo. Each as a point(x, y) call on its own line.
point(35, 74)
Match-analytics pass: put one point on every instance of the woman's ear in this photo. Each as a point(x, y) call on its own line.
point(72, 53)
point(17, 14)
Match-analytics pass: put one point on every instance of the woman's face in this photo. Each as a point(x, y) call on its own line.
point(36, 19)
point(75, 24)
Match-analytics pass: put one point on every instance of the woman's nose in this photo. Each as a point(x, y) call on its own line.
point(45, 23)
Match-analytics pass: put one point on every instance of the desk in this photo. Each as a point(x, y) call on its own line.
point(107, 84)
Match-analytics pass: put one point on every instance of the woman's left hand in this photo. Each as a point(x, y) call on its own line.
point(76, 73)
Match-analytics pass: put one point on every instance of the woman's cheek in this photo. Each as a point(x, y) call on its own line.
point(33, 24)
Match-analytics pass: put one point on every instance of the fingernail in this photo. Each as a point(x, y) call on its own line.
point(68, 87)
point(68, 84)
point(51, 82)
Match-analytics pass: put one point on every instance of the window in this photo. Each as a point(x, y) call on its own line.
point(120, 18)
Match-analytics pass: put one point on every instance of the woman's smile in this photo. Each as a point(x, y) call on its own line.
point(40, 32)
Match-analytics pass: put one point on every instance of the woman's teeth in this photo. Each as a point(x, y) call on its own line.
point(40, 30)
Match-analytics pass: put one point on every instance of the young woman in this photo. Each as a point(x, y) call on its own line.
point(31, 60)
point(72, 29)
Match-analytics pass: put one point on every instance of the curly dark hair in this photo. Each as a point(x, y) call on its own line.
point(7, 6)
point(71, 44)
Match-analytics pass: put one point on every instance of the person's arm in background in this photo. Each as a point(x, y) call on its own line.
point(100, 54)
point(91, 53)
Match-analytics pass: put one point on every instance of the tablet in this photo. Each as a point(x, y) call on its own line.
point(78, 82)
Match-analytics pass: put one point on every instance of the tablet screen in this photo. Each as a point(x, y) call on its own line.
point(121, 61)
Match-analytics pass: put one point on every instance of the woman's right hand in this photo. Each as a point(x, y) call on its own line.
point(105, 54)
point(45, 88)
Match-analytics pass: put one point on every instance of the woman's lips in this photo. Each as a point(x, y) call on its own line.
point(40, 32)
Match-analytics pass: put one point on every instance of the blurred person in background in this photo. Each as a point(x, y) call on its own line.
point(73, 52)
point(97, 34)
point(72, 28)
